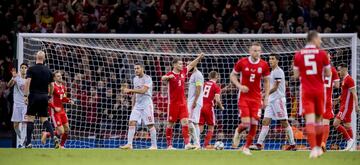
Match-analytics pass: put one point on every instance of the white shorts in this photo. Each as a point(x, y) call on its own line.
point(276, 110)
point(19, 113)
point(146, 115)
point(194, 114)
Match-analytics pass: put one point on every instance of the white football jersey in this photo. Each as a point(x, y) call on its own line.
point(143, 100)
point(19, 91)
point(277, 75)
point(196, 79)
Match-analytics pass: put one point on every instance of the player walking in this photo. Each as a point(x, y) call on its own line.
point(348, 101)
point(330, 82)
point(252, 70)
point(277, 105)
point(309, 66)
point(36, 95)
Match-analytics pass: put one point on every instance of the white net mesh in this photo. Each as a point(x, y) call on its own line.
point(96, 68)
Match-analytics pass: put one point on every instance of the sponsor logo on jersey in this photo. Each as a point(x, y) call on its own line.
point(259, 70)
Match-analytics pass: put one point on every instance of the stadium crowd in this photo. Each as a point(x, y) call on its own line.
point(148, 16)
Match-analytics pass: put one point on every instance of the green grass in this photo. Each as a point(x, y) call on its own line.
point(180, 157)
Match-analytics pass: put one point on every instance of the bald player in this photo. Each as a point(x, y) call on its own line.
point(36, 96)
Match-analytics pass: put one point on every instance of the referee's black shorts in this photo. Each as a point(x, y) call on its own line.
point(38, 105)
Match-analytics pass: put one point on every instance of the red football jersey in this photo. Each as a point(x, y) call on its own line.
point(176, 87)
point(329, 82)
point(59, 96)
point(311, 62)
point(210, 90)
point(251, 74)
point(346, 98)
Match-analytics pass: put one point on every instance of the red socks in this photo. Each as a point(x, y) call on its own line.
point(311, 137)
point(185, 134)
point(326, 131)
point(243, 127)
point(343, 131)
point(319, 133)
point(208, 138)
point(64, 136)
point(251, 135)
point(169, 132)
point(350, 132)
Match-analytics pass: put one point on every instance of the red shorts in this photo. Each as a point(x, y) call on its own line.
point(177, 111)
point(345, 114)
point(58, 118)
point(249, 108)
point(207, 115)
point(329, 114)
point(312, 102)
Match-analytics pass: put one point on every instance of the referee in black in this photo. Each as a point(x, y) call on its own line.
point(36, 95)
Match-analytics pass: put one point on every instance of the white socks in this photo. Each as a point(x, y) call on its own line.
point(197, 129)
point(131, 133)
point(153, 137)
point(264, 131)
point(194, 133)
point(290, 134)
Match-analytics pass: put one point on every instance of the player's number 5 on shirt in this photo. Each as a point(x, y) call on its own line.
point(309, 61)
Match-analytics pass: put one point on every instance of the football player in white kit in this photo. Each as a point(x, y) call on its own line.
point(194, 103)
point(276, 108)
point(142, 106)
point(19, 108)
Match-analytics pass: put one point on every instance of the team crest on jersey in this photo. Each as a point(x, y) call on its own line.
point(259, 70)
point(246, 69)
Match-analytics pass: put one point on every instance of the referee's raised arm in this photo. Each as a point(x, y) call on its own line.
point(38, 80)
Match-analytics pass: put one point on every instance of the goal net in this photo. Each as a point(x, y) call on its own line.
point(96, 66)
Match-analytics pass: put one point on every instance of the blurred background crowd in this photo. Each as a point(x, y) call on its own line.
point(95, 80)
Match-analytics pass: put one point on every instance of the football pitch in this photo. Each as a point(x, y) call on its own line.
point(177, 157)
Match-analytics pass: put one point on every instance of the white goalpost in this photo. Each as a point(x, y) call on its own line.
point(96, 66)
